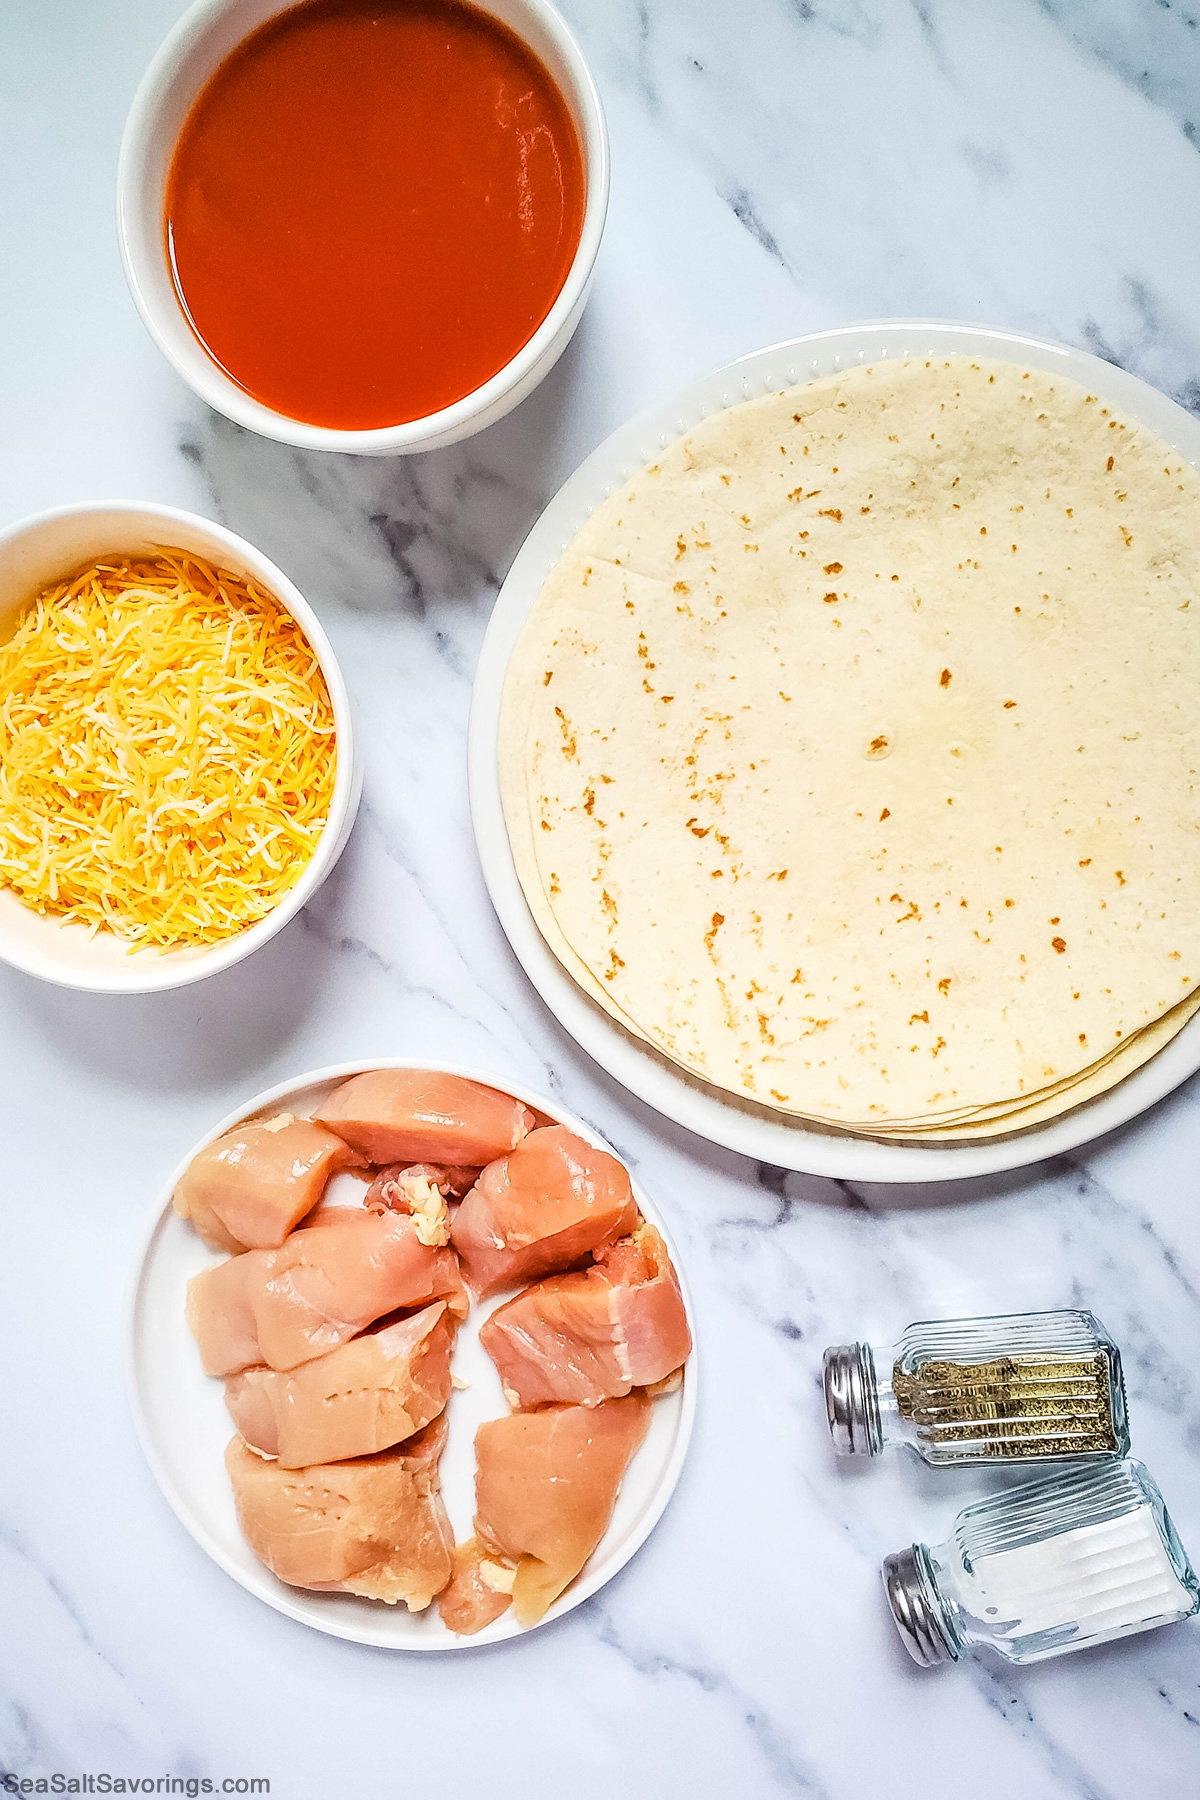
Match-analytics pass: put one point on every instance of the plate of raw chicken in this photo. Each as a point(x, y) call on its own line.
point(411, 1356)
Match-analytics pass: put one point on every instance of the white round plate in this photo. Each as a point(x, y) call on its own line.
point(788, 1144)
point(184, 1427)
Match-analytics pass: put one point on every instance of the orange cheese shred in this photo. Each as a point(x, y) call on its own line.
point(167, 751)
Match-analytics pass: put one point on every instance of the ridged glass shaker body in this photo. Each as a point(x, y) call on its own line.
point(1020, 1387)
point(1076, 1558)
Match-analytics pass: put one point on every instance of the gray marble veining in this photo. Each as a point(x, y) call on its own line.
point(777, 167)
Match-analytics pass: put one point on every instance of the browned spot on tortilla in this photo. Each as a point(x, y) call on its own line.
point(568, 736)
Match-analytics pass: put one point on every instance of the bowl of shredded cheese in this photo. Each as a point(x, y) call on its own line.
point(178, 771)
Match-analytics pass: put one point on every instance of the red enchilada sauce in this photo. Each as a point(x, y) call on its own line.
point(372, 207)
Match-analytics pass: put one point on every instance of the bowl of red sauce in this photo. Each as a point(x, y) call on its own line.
point(364, 225)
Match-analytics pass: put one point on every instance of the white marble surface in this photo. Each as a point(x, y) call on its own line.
point(779, 166)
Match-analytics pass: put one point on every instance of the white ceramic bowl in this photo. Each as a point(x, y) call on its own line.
point(184, 1427)
point(47, 548)
point(202, 40)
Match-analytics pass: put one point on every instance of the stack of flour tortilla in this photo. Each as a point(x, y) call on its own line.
point(849, 753)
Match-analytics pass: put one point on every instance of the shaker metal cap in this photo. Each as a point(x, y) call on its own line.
point(850, 1400)
point(914, 1610)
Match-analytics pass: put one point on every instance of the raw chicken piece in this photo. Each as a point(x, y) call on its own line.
point(545, 1488)
point(415, 1115)
point(248, 1189)
point(371, 1393)
point(375, 1526)
point(479, 1590)
point(449, 1180)
point(335, 1206)
point(413, 1191)
point(221, 1311)
point(542, 1208)
point(593, 1335)
point(323, 1285)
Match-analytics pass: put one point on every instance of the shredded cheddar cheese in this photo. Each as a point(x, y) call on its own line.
point(167, 751)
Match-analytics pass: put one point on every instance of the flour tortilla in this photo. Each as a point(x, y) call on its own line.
point(1132, 1056)
point(722, 673)
point(1004, 1118)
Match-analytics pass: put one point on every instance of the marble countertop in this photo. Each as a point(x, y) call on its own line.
point(778, 167)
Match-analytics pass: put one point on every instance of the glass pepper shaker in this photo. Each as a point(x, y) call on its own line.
point(1069, 1560)
point(1020, 1387)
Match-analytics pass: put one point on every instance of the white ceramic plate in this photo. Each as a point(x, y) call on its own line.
point(691, 1103)
point(184, 1427)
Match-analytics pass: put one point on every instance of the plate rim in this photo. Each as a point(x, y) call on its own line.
point(677, 1097)
point(585, 1585)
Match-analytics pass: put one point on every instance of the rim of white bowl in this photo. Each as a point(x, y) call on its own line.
point(140, 974)
point(296, 1603)
point(175, 338)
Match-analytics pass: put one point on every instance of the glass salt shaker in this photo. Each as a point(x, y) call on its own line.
point(1020, 1387)
point(1053, 1565)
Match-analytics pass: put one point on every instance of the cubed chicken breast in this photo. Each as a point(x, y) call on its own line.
point(391, 1186)
point(416, 1191)
point(544, 1207)
point(248, 1189)
point(545, 1488)
point(375, 1526)
point(595, 1334)
point(416, 1115)
point(367, 1395)
point(323, 1285)
point(479, 1590)
point(222, 1312)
